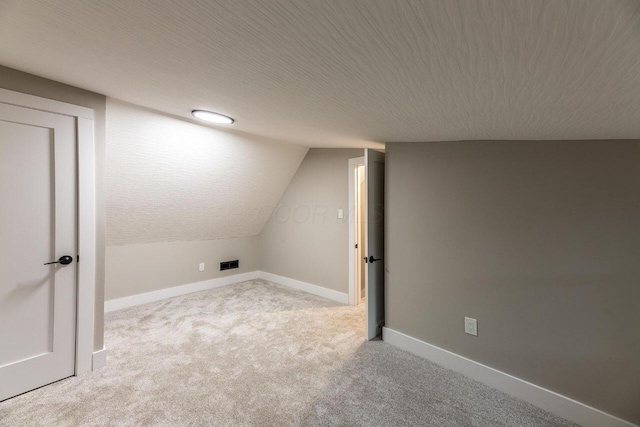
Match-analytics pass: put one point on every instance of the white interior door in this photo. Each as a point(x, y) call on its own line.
point(37, 225)
point(374, 242)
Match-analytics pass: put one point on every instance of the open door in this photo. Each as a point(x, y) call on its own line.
point(374, 242)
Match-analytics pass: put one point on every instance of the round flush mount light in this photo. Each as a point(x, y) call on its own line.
point(210, 116)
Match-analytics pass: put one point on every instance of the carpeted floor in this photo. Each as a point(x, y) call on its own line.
point(260, 354)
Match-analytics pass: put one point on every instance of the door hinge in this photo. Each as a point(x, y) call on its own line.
point(356, 246)
point(78, 257)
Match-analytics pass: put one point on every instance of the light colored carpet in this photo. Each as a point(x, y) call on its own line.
point(260, 354)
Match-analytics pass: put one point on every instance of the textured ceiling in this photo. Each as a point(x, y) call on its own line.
point(349, 72)
point(170, 180)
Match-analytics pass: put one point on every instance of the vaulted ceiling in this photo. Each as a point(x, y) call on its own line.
point(169, 180)
point(349, 72)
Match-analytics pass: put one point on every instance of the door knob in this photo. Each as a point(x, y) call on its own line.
point(64, 260)
point(372, 259)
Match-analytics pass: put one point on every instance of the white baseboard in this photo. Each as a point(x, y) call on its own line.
point(99, 359)
point(548, 400)
point(147, 297)
point(340, 297)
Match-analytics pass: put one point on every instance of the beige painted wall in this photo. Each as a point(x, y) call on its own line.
point(169, 179)
point(539, 241)
point(180, 193)
point(139, 268)
point(33, 85)
point(304, 239)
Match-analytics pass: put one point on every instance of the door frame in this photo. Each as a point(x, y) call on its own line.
point(86, 219)
point(352, 226)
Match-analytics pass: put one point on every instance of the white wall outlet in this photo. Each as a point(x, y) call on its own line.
point(340, 213)
point(471, 326)
point(201, 267)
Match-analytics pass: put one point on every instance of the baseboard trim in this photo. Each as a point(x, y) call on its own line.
point(548, 400)
point(147, 297)
point(99, 359)
point(340, 297)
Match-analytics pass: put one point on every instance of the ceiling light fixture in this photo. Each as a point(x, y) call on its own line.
point(210, 116)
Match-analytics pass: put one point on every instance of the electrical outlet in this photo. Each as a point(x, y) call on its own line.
point(471, 326)
point(340, 213)
point(201, 267)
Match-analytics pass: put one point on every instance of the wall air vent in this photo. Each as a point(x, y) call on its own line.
point(228, 265)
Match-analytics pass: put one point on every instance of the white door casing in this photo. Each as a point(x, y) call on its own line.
point(374, 242)
point(353, 163)
point(47, 194)
point(360, 291)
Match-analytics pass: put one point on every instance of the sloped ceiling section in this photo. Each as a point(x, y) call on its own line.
point(171, 180)
point(350, 72)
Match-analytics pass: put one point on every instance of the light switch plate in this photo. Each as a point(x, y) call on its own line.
point(340, 213)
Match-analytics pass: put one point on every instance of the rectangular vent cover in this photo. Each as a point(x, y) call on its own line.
point(228, 265)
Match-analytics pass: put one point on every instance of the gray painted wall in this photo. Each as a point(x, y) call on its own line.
point(27, 83)
point(304, 239)
point(539, 241)
point(173, 180)
point(139, 268)
point(180, 193)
